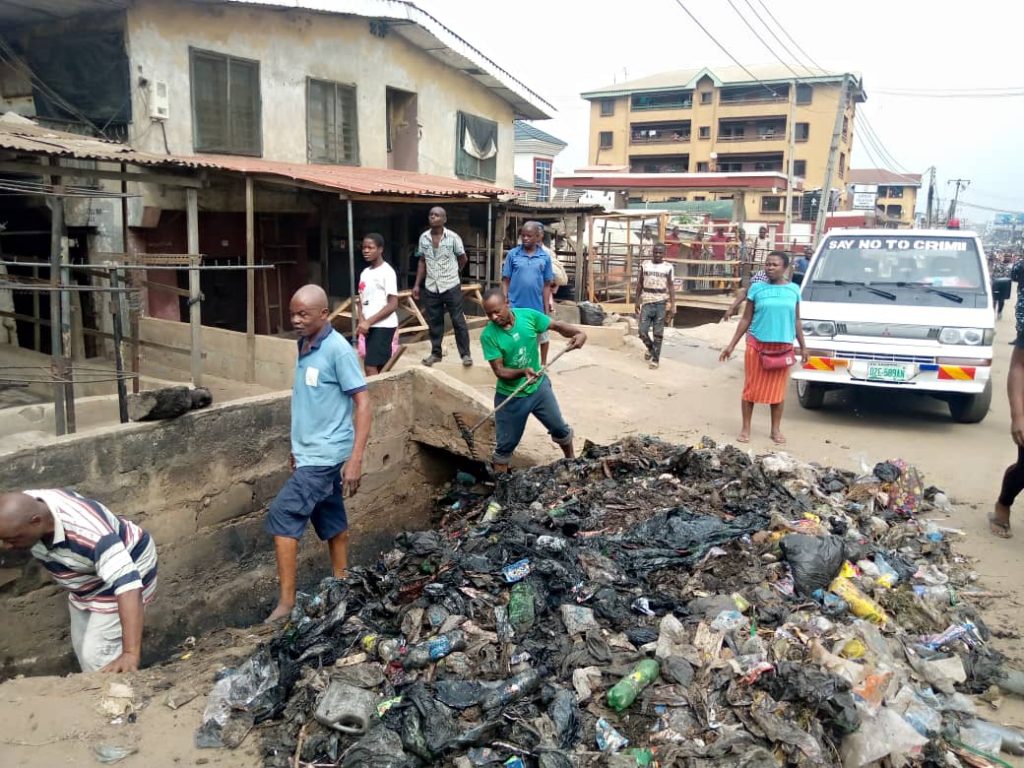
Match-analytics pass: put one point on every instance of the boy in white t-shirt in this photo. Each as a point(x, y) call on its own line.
point(378, 297)
point(655, 301)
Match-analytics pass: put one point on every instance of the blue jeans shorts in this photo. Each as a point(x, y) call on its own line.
point(312, 494)
point(511, 420)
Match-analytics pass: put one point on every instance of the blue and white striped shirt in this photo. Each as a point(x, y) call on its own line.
point(95, 554)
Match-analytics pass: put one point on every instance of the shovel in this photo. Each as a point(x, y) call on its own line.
point(467, 432)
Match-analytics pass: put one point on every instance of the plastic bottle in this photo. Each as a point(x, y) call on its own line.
point(933, 594)
point(520, 606)
point(1012, 739)
point(387, 649)
point(624, 692)
point(433, 649)
point(861, 605)
point(493, 510)
point(516, 687)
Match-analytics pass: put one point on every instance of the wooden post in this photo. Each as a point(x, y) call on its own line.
point(250, 281)
point(629, 256)
point(580, 267)
point(590, 260)
point(490, 244)
point(57, 359)
point(117, 312)
point(194, 295)
point(67, 368)
point(353, 292)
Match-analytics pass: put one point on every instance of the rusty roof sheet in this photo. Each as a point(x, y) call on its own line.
point(19, 135)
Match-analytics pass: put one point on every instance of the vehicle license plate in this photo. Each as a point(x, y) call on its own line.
point(887, 372)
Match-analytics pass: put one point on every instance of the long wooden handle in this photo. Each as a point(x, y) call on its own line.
point(519, 389)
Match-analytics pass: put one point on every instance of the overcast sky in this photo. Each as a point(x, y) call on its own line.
point(561, 48)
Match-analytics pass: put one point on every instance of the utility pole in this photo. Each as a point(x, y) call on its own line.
point(960, 184)
point(833, 154)
point(790, 151)
point(931, 197)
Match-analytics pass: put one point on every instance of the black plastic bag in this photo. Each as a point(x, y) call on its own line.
point(827, 694)
point(566, 716)
point(591, 314)
point(814, 560)
point(379, 748)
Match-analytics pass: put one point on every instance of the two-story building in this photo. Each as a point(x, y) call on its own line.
point(724, 120)
point(535, 153)
point(368, 107)
point(892, 196)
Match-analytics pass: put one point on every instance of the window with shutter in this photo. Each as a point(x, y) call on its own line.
point(331, 129)
point(226, 112)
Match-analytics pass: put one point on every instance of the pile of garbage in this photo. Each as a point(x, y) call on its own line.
point(644, 604)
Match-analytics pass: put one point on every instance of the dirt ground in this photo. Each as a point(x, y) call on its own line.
point(605, 394)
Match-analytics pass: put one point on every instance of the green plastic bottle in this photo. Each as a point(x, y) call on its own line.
point(624, 692)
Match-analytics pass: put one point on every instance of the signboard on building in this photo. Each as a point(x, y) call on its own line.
point(864, 201)
point(1009, 219)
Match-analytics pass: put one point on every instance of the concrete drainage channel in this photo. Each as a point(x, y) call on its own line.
point(199, 485)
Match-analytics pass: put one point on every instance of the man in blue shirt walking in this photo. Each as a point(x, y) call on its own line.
point(529, 277)
point(330, 429)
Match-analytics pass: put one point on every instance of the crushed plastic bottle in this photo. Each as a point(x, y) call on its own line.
point(888, 576)
point(516, 687)
point(729, 621)
point(624, 693)
point(387, 649)
point(433, 649)
point(492, 512)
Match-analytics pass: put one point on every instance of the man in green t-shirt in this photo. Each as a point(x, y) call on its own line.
point(510, 345)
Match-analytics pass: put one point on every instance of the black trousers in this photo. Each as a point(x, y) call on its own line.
point(434, 307)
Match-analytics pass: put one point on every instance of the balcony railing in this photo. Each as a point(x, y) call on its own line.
point(682, 138)
point(725, 101)
point(643, 107)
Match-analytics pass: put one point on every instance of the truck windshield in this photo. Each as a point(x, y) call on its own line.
point(928, 271)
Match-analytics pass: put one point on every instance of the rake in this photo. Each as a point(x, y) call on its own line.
point(467, 431)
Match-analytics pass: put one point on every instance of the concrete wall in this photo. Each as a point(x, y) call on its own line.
point(199, 484)
point(294, 45)
point(224, 352)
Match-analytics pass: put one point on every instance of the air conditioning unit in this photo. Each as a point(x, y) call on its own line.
point(159, 100)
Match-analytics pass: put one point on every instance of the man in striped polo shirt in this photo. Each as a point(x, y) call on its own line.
point(106, 563)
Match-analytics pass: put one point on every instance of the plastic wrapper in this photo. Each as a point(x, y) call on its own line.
point(886, 734)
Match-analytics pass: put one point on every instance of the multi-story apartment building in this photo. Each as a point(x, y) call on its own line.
point(723, 120)
point(893, 196)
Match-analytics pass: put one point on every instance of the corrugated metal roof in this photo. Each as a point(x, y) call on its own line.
point(882, 176)
point(426, 32)
point(528, 132)
point(720, 75)
point(18, 136)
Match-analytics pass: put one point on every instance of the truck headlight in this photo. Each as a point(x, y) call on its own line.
point(818, 327)
point(973, 337)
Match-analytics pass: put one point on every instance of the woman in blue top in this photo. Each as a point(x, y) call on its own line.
point(772, 317)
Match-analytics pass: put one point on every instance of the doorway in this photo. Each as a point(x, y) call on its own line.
point(403, 130)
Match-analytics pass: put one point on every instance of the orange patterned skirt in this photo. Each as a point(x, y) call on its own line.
point(759, 385)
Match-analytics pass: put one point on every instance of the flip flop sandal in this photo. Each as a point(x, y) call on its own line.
point(1000, 529)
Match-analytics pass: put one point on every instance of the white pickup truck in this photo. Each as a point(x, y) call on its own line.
point(899, 309)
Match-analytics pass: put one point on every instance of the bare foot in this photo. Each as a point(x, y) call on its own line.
point(279, 613)
point(743, 437)
point(778, 438)
point(999, 522)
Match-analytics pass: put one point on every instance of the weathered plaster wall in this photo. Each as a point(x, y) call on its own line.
point(294, 45)
point(199, 485)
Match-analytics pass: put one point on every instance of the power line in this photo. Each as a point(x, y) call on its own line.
point(761, 39)
point(724, 49)
point(784, 47)
point(871, 133)
point(965, 95)
point(980, 89)
point(790, 38)
point(965, 204)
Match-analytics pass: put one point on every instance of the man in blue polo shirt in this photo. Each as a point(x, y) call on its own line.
point(529, 277)
point(330, 429)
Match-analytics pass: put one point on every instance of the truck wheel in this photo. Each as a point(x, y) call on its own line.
point(810, 394)
point(971, 409)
